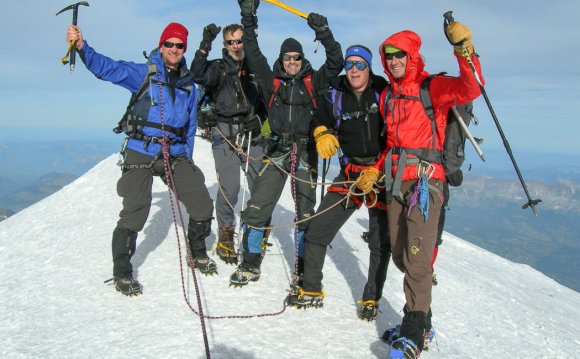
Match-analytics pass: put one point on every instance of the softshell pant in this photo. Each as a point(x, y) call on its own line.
point(412, 242)
point(268, 188)
point(134, 187)
point(322, 230)
point(227, 164)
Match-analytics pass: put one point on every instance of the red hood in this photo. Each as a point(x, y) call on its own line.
point(409, 42)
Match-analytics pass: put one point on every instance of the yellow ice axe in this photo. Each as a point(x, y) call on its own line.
point(288, 8)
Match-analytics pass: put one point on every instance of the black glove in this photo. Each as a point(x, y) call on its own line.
point(253, 123)
point(249, 7)
point(209, 34)
point(317, 22)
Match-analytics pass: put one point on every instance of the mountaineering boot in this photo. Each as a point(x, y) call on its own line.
point(404, 348)
point(302, 299)
point(124, 245)
point(128, 286)
point(205, 264)
point(225, 245)
point(244, 274)
point(368, 310)
point(196, 234)
point(391, 334)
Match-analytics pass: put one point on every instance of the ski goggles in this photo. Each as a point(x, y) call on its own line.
point(231, 42)
point(360, 65)
point(287, 57)
point(398, 55)
point(169, 45)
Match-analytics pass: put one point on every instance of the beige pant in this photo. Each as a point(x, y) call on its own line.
point(412, 242)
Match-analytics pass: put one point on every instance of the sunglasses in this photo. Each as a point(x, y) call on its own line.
point(398, 55)
point(360, 65)
point(169, 45)
point(287, 57)
point(231, 42)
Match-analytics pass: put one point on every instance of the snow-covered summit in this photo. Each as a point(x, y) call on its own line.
point(56, 254)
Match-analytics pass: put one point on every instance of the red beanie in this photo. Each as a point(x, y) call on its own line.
point(174, 30)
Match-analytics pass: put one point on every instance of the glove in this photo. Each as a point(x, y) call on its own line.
point(326, 142)
point(317, 22)
point(209, 34)
point(367, 179)
point(253, 123)
point(249, 7)
point(456, 33)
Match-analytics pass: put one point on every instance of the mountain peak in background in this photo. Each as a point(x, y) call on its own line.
point(56, 255)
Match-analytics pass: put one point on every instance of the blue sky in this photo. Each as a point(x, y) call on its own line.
point(529, 52)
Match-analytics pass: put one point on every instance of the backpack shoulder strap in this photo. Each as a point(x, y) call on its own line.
point(151, 72)
point(425, 97)
point(308, 83)
point(336, 97)
point(277, 82)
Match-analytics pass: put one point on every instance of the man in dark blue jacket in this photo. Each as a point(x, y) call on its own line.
point(160, 118)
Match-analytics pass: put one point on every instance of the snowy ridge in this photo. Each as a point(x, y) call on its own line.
point(56, 254)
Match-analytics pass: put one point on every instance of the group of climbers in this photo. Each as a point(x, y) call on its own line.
point(389, 151)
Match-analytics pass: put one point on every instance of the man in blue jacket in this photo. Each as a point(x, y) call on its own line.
point(160, 118)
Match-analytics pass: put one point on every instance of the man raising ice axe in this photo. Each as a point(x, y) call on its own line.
point(71, 53)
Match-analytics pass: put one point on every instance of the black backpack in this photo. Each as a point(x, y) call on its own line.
point(454, 145)
point(206, 115)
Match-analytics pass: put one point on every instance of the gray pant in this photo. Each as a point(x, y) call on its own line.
point(135, 184)
point(227, 164)
point(270, 183)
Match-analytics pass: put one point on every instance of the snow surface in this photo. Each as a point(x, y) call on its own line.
point(56, 254)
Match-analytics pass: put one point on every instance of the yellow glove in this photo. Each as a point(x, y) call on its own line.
point(367, 179)
point(457, 32)
point(326, 143)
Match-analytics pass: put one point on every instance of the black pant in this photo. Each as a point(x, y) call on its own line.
point(322, 230)
point(134, 187)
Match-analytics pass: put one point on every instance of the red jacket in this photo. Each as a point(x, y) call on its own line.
point(406, 122)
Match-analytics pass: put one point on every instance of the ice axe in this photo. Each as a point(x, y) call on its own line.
point(71, 53)
point(288, 8)
point(531, 202)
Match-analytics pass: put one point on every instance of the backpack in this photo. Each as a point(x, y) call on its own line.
point(454, 145)
point(133, 125)
point(206, 115)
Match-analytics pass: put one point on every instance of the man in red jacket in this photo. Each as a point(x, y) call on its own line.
point(414, 174)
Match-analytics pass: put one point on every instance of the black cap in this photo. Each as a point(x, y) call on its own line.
point(291, 45)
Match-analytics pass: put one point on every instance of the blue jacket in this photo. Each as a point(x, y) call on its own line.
point(177, 113)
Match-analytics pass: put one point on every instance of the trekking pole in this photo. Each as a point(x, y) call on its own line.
point(531, 202)
point(323, 179)
point(468, 133)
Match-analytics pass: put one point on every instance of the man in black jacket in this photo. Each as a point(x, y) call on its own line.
point(348, 118)
point(235, 117)
point(289, 91)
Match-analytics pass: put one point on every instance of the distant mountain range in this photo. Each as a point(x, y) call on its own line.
point(488, 212)
point(18, 197)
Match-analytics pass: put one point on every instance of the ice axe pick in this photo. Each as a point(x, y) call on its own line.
point(288, 8)
point(71, 53)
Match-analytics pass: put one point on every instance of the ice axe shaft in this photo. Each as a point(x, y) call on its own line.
point(71, 52)
point(468, 133)
point(288, 8)
point(531, 202)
